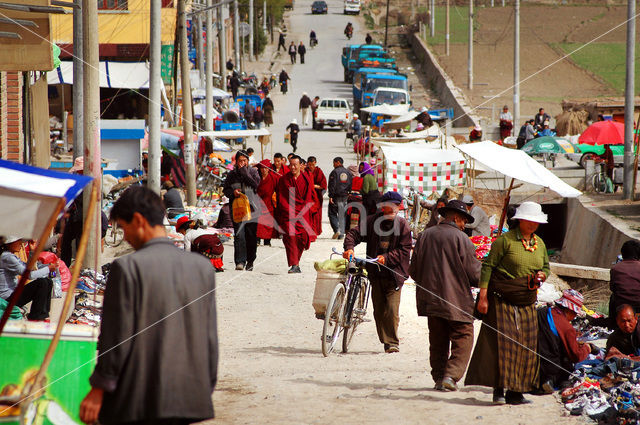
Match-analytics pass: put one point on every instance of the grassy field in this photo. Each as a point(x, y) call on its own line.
point(458, 25)
point(606, 60)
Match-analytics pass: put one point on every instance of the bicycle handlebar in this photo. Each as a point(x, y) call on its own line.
point(355, 262)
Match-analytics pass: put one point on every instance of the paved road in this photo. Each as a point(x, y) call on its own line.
point(271, 366)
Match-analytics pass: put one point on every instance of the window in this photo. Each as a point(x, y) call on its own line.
point(113, 4)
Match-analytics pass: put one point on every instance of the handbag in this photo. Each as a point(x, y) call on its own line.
point(241, 209)
point(287, 138)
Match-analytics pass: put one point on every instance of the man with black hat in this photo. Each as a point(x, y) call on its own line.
point(480, 225)
point(339, 187)
point(243, 180)
point(444, 266)
point(388, 239)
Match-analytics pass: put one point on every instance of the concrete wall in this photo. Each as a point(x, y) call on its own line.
point(593, 237)
point(442, 85)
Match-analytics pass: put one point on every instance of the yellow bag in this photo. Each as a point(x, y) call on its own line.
point(287, 137)
point(241, 209)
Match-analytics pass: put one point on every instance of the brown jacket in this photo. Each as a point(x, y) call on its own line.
point(444, 266)
point(395, 247)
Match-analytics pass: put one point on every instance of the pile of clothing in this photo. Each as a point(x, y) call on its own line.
point(482, 245)
point(87, 311)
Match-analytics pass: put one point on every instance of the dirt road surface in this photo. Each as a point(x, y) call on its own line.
point(271, 367)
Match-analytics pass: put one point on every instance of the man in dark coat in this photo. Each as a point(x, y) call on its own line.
point(388, 239)
point(158, 344)
point(625, 279)
point(281, 40)
point(302, 51)
point(234, 83)
point(339, 187)
point(244, 179)
point(444, 266)
point(626, 337)
point(293, 52)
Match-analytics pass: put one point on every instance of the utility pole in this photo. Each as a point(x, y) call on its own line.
point(470, 59)
point(222, 43)
point(208, 123)
point(516, 64)
point(91, 124)
point(78, 139)
point(386, 26)
point(446, 30)
point(236, 34)
point(251, 23)
point(196, 27)
point(187, 111)
point(432, 25)
point(155, 66)
point(629, 103)
point(264, 16)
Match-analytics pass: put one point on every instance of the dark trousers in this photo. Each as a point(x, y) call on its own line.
point(301, 58)
point(283, 47)
point(38, 293)
point(245, 242)
point(72, 232)
point(293, 57)
point(294, 142)
point(337, 212)
point(386, 306)
point(450, 345)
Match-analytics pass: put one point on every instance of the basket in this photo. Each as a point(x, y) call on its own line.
point(325, 284)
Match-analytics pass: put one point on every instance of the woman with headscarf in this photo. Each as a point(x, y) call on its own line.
point(505, 356)
point(266, 191)
point(369, 189)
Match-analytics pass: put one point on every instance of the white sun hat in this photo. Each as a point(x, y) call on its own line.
point(530, 211)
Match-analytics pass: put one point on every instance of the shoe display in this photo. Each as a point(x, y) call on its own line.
point(449, 384)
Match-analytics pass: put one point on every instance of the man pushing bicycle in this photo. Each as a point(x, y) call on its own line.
point(388, 239)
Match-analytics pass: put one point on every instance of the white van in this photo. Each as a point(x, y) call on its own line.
point(351, 7)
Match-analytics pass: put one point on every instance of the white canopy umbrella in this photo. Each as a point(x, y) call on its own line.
point(390, 110)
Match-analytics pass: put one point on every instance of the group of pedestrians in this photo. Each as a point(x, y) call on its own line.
point(296, 50)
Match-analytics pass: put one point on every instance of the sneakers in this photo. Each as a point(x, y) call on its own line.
point(449, 384)
point(335, 235)
point(295, 269)
point(596, 405)
point(240, 266)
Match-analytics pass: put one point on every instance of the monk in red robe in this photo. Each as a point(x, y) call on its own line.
point(320, 185)
point(279, 165)
point(266, 191)
point(295, 196)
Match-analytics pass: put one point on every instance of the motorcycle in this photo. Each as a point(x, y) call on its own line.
point(284, 87)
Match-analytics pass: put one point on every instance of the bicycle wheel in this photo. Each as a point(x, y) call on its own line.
point(354, 309)
point(598, 183)
point(333, 320)
point(348, 144)
point(114, 236)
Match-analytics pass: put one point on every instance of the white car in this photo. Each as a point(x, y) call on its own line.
point(390, 96)
point(352, 7)
point(333, 113)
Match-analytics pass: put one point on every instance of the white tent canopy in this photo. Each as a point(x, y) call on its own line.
point(235, 134)
point(429, 133)
point(117, 75)
point(518, 165)
point(418, 152)
point(390, 110)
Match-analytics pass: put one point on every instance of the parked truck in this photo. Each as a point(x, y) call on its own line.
point(363, 92)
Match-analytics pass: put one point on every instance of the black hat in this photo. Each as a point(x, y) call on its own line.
point(457, 206)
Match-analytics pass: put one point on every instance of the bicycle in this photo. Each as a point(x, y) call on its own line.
point(600, 180)
point(114, 236)
point(347, 306)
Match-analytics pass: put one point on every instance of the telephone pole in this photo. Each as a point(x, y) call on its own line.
point(264, 16)
point(516, 65)
point(386, 26)
point(446, 30)
point(187, 111)
point(91, 124)
point(470, 59)
point(78, 140)
point(222, 43)
point(251, 23)
point(208, 123)
point(236, 33)
point(155, 61)
point(629, 103)
point(432, 24)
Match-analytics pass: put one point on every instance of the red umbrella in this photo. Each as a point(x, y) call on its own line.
point(603, 133)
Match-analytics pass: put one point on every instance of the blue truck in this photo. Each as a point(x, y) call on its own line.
point(353, 51)
point(369, 59)
point(363, 91)
point(362, 74)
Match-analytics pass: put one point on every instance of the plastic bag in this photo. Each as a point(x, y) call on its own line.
point(287, 138)
point(57, 284)
point(241, 209)
point(64, 273)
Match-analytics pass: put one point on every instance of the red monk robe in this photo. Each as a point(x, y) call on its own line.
point(266, 190)
point(293, 214)
point(318, 179)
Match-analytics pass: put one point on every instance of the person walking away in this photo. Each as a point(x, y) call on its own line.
point(314, 107)
point(248, 112)
point(38, 289)
point(506, 123)
point(267, 191)
point(313, 39)
point(301, 52)
point(166, 374)
point(243, 181)
point(201, 240)
point(540, 119)
point(388, 239)
point(293, 129)
point(258, 117)
point(339, 187)
point(480, 225)
point(304, 106)
point(292, 52)
point(505, 354)
point(368, 39)
point(445, 267)
point(369, 190)
point(267, 107)
point(348, 30)
point(283, 79)
point(320, 185)
point(279, 166)
point(234, 84)
point(557, 341)
point(293, 213)
point(281, 41)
